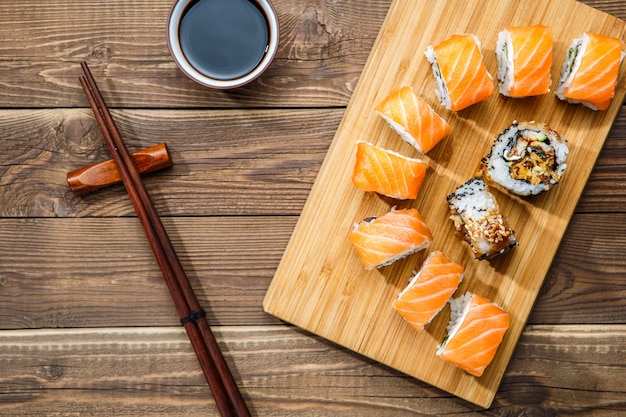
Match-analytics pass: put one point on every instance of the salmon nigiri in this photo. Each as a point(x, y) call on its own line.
point(590, 71)
point(413, 119)
point(462, 78)
point(476, 329)
point(524, 60)
point(429, 290)
point(380, 241)
point(387, 172)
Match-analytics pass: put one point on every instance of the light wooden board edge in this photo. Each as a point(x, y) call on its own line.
point(303, 278)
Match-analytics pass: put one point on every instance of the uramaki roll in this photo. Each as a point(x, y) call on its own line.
point(527, 158)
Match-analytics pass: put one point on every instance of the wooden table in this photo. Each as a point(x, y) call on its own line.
point(87, 324)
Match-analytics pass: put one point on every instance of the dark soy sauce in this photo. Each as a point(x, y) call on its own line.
point(224, 39)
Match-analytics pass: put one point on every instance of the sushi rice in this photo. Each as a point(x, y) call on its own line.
point(458, 310)
point(477, 218)
point(504, 53)
point(442, 89)
point(526, 159)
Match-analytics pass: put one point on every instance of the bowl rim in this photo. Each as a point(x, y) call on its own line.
point(173, 20)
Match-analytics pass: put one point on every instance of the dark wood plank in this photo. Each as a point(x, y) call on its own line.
point(283, 371)
point(324, 45)
point(93, 273)
point(614, 7)
point(573, 372)
point(230, 162)
point(101, 272)
point(605, 190)
point(225, 162)
point(587, 276)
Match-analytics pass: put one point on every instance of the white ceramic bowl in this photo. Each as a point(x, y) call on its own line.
point(173, 23)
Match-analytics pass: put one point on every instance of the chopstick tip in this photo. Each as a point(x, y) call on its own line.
point(83, 65)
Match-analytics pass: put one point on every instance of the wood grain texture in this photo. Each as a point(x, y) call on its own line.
point(101, 273)
point(321, 285)
point(225, 162)
point(322, 49)
point(324, 45)
point(604, 190)
point(259, 153)
point(87, 325)
point(152, 371)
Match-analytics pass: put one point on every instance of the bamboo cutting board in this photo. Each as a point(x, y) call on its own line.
point(321, 285)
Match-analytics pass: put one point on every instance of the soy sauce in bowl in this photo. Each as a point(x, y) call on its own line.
point(224, 39)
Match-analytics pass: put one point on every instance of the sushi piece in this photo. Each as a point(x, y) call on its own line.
point(524, 60)
point(413, 119)
point(590, 71)
point(387, 172)
point(380, 241)
point(475, 331)
point(527, 158)
point(429, 290)
point(461, 76)
point(478, 220)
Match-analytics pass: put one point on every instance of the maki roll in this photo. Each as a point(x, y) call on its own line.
point(477, 218)
point(526, 159)
point(429, 290)
point(460, 73)
point(475, 331)
point(413, 119)
point(524, 59)
point(590, 71)
point(387, 173)
point(380, 241)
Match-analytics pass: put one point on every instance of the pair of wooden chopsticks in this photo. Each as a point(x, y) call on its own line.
point(225, 392)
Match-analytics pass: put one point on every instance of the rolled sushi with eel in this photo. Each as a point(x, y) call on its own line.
point(526, 159)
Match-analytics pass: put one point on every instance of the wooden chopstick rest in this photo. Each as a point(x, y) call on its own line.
point(93, 177)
